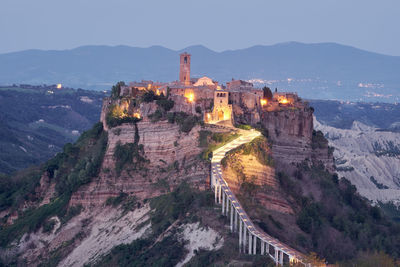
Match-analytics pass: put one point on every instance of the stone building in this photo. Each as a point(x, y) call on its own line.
point(238, 102)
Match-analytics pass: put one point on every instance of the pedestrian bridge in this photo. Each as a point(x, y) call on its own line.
point(251, 240)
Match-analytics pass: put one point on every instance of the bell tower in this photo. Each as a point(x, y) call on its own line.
point(184, 70)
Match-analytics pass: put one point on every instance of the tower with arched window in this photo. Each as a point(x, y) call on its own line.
point(184, 70)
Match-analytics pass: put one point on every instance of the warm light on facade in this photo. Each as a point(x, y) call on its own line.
point(59, 86)
point(136, 115)
point(190, 97)
point(283, 101)
point(226, 116)
point(263, 102)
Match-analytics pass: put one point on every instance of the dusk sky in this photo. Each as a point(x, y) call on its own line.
point(218, 24)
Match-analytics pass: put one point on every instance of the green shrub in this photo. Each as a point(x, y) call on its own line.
point(243, 126)
point(149, 96)
point(129, 153)
point(185, 121)
point(115, 121)
point(116, 90)
point(203, 138)
point(156, 116)
point(115, 201)
point(165, 104)
point(48, 225)
point(309, 218)
point(318, 140)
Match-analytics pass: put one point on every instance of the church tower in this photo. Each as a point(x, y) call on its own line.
point(184, 71)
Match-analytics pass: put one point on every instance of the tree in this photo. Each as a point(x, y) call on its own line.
point(267, 93)
point(116, 89)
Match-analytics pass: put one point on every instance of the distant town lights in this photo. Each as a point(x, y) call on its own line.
point(59, 86)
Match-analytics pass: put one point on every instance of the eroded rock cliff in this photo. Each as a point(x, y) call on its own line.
point(171, 157)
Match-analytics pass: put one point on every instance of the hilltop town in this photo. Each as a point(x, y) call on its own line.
point(217, 102)
point(237, 102)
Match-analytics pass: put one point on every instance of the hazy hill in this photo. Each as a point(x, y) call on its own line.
point(35, 123)
point(325, 70)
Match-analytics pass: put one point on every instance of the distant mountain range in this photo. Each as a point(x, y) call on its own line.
point(323, 71)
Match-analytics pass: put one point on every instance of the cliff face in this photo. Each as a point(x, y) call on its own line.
point(172, 156)
point(262, 176)
point(290, 132)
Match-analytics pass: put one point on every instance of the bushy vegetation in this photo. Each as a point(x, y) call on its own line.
point(116, 116)
point(149, 96)
point(318, 140)
point(243, 126)
point(75, 166)
point(185, 121)
point(267, 93)
point(341, 223)
point(15, 190)
point(129, 153)
point(165, 104)
point(391, 210)
point(116, 89)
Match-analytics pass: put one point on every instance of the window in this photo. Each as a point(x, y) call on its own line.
point(185, 60)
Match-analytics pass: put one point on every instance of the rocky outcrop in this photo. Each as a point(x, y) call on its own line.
point(290, 131)
point(172, 156)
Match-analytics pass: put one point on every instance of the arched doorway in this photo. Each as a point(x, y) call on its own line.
point(220, 115)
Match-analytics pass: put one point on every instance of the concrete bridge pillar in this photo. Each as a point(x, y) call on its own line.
point(244, 238)
point(231, 206)
point(219, 192)
point(262, 247)
point(240, 236)
point(281, 257)
point(235, 223)
point(254, 245)
point(223, 203)
point(227, 205)
point(250, 243)
point(276, 256)
point(216, 193)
